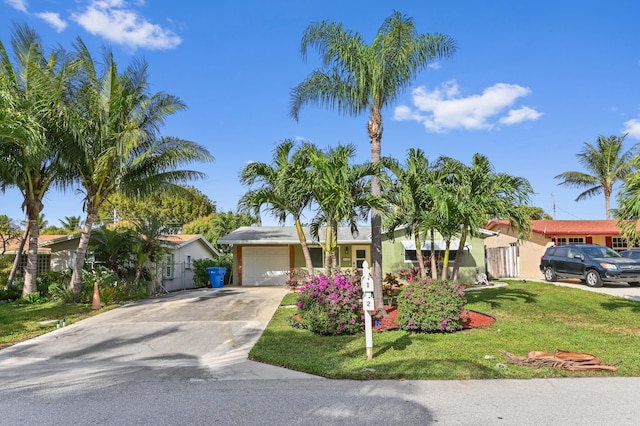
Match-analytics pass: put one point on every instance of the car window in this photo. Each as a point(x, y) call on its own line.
point(600, 252)
point(560, 251)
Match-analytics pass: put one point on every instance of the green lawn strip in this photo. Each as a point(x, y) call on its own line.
point(22, 322)
point(530, 316)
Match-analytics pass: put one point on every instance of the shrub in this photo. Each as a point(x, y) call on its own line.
point(111, 289)
point(61, 293)
point(430, 306)
point(200, 274)
point(331, 305)
point(51, 279)
point(12, 293)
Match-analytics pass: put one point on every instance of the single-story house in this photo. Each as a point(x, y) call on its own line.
point(267, 255)
point(506, 257)
point(175, 272)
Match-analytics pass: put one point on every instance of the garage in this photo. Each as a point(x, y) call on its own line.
point(262, 266)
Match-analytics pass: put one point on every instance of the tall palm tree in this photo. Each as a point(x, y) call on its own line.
point(341, 193)
point(606, 164)
point(116, 143)
point(31, 116)
point(358, 77)
point(283, 187)
point(483, 194)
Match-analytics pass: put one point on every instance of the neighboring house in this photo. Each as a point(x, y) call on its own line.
point(506, 257)
point(174, 272)
point(266, 255)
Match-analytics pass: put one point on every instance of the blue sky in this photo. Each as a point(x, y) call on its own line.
point(530, 83)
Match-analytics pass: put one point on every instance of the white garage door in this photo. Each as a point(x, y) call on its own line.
point(265, 265)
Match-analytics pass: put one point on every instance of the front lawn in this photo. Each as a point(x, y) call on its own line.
point(530, 316)
point(22, 322)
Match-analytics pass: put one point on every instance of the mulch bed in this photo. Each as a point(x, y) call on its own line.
point(472, 319)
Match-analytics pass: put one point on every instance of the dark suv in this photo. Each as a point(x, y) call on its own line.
point(592, 263)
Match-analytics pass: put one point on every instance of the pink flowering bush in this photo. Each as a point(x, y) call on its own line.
point(431, 306)
point(331, 305)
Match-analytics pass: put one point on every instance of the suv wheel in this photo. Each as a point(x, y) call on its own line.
point(592, 278)
point(550, 274)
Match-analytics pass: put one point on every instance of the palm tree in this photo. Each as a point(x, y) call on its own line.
point(606, 164)
point(31, 118)
point(412, 199)
point(71, 223)
point(341, 193)
point(283, 188)
point(113, 247)
point(116, 145)
point(358, 77)
point(150, 243)
point(628, 211)
point(482, 194)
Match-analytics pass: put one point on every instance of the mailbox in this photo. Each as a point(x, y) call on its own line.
point(367, 284)
point(367, 302)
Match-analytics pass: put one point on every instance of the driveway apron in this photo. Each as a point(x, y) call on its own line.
point(196, 335)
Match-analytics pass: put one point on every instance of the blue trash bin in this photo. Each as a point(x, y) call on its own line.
point(216, 276)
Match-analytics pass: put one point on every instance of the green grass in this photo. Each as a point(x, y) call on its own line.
point(530, 316)
point(22, 322)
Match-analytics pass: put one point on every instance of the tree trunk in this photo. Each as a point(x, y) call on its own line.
point(81, 254)
point(305, 247)
point(31, 271)
point(460, 254)
point(416, 238)
point(18, 260)
point(445, 261)
point(432, 257)
point(327, 251)
point(375, 134)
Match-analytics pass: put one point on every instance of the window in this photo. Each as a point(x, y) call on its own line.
point(618, 243)
point(188, 263)
point(317, 259)
point(571, 240)
point(169, 268)
point(411, 256)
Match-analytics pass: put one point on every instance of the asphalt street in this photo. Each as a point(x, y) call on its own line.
point(181, 359)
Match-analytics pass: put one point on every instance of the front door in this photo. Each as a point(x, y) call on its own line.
point(360, 254)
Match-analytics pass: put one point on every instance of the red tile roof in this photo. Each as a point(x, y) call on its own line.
point(567, 227)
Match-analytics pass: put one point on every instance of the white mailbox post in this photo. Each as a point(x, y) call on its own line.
point(367, 306)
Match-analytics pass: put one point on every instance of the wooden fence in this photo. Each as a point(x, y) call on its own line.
point(503, 262)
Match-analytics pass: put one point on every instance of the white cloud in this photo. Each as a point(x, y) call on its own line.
point(112, 20)
point(632, 127)
point(20, 5)
point(444, 108)
point(54, 20)
point(519, 115)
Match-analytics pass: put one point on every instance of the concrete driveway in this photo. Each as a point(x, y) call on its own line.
point(195, 335)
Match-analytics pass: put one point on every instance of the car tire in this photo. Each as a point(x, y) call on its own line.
point(592, 278)
point(550, 275)
point(634, 284)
